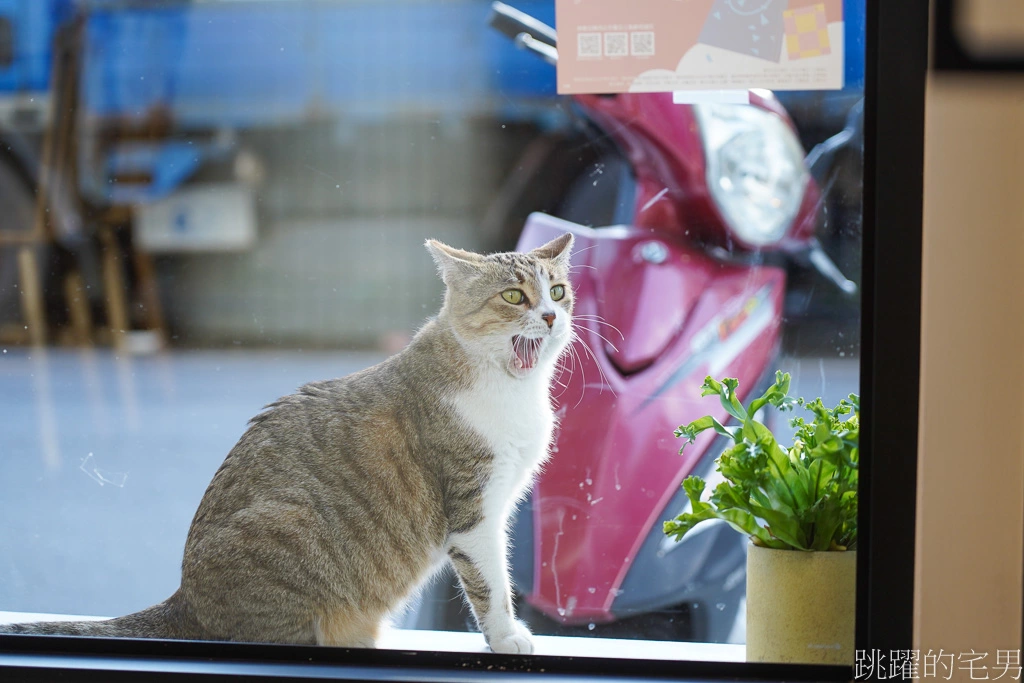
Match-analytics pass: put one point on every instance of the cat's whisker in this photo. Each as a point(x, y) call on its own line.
point(583, 372)
point(604, 377)
point(607, 341)
point(563, 368)
point(593, 316)
point(510, 361)
point(583, 387)
point(571, 355)
point(601, 321)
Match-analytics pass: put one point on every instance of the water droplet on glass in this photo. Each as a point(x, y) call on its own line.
point(720, 606)
point(561, 611)
point(591, 590)
point(590, 627)
point(589, 481)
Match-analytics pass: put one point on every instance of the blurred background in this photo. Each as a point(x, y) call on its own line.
point(205, 204)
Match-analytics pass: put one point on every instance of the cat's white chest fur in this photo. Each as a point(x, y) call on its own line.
point(515, 418)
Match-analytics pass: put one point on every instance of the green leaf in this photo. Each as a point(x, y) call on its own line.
point(694, 488)
point(784, 527)
point(801, 497)
point(690, 431)
point(775, 395)
point(710, 387)
point(725, 431)
point(782, 380)
point(827, 520)
point(746, 523)
point(728, 398)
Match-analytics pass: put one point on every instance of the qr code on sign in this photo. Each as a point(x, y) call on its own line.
point(588, 44)
point(616, 44)
point(641, 43)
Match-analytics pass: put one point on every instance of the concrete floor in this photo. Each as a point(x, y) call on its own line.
point(104, 458)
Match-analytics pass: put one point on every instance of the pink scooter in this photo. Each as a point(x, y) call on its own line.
point(687, 288)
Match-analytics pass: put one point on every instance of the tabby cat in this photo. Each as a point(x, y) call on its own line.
point(340, 500)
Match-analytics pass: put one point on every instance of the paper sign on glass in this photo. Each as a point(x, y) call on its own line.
point(607, 46)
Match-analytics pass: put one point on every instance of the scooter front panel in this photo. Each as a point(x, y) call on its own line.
point(615, 464)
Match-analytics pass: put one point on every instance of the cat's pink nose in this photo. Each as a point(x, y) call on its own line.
point(549, 318)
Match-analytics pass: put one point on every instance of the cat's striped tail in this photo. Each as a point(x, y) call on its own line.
point(166, 620)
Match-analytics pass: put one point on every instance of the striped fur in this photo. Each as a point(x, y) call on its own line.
point(341, 499)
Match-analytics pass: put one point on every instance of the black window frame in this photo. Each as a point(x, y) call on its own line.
point(896, 63)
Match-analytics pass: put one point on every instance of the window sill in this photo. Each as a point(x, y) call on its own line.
point(562, 646)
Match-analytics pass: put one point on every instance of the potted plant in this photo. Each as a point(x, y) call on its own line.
point(798, 505)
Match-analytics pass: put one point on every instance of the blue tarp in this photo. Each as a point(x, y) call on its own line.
point(262, 63)
point(254, 62)
point(32, 26)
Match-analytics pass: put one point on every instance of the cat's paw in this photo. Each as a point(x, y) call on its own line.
point(518, 642)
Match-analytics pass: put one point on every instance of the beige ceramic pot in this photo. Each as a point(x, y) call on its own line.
point(800, 606)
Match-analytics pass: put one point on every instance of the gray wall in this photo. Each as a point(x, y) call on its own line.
point(344, 210)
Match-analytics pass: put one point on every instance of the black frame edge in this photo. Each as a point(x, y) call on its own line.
point(897, 61)
point(73, 658)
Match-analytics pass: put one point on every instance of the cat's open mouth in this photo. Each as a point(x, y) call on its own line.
point(525, 352)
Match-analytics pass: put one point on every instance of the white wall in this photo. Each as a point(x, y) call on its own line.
point(971, 478)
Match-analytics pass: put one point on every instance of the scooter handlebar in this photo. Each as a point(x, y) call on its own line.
point(512, 23)
point(829, 270)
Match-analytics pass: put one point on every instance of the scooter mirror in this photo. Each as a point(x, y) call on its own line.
point(830, 271)
point(527, 42)
point(512, 23)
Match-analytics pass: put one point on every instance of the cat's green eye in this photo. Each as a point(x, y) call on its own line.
point(558, 292)
point(513, 296)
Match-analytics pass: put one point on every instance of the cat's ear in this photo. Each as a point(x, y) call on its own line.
point(454, 264)
point(558, 250)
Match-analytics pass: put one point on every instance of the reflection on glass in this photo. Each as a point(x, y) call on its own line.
point(212, 204)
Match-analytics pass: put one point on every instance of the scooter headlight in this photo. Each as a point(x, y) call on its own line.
point(755, 170)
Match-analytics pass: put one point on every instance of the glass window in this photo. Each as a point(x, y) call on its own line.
point(212, 204)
